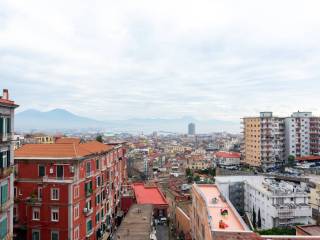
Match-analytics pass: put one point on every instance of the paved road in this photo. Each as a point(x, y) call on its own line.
point(162, 232)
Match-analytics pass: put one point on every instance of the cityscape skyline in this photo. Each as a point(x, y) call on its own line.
point(123, 62)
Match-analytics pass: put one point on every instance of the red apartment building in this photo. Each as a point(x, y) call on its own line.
point(68, 190)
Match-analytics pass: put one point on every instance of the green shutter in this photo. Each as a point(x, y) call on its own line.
point(1, 160)
point(1, 125)
point(8, 125)
point(8, 158)
point(3, 228)
point(4, 193)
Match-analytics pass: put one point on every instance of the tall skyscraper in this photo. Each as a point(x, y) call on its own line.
point(191, 129)
point(6, 165)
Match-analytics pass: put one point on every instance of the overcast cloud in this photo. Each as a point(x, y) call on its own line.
point(128, 59)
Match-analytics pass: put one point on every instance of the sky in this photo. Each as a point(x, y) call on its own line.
point(162, 59)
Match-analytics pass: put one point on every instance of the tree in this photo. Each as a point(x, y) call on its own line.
point(188, 172)
point(197, 178)
point(259, 219)
point(99, 138)
point(254, 218)
point(291, 160)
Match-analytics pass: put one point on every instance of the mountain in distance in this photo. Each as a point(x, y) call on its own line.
point(55, 119)
point(60, 119)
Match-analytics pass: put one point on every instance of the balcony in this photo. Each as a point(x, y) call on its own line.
point(4, 207)
point(6, 137)
point(5, 172)
point(87, 211)
point(54, 179)
point(89, 174)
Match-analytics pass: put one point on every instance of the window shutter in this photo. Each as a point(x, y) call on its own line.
point(1, 125)
point(1, 160)
point(8, 158)
point(8, 125)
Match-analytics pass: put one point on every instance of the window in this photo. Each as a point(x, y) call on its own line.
point(97, 217)
point(4, 192)
point(98, 181)
point(76, 191)
point(88, 169)
point(35, 234)
point(54, 214)
point(4, 228)
point(5, 126)
point(15, 192)
point(76, 211)
point(97, 164)
point(59, 171)
point(40, 193)
point(4, 162)
point(88, 188)
point(97, 199)
point(36, 214)
point(76, 233)
point(89, 226)
point(88, 205)
point(55, 194)
point(41, 170)
point(54, 235)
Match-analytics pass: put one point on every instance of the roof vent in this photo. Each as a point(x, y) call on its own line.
point(214, 200)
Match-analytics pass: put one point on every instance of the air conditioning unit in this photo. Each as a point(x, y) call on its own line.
point(51, 170)
point(85, 210)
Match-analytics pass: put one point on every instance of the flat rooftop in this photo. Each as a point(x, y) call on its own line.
point(311, 230)
point(233, 220)
point(137, 223)
point(148, 194)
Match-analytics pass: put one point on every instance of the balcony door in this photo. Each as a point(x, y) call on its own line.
point(59, 171)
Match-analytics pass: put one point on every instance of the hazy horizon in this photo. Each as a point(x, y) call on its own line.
point(161, 59)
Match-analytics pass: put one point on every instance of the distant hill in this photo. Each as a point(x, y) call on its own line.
point(54, 119)
point(60, 119)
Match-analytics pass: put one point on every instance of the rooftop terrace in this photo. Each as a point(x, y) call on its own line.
point(137, 223)
point(216, 204)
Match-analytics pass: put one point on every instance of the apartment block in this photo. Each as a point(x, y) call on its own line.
point(302, 134)
point(68, 190)
point(269, 203)
point(263, 140)
point(7, 108)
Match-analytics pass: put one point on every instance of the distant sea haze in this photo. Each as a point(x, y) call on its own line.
point(60, 120)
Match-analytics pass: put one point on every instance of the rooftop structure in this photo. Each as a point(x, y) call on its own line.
point(213, 215)
point(216, 203)
point(137, 224)
point(308, 230)
point(150, 194)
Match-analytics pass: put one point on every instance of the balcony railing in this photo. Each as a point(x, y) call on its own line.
point(57, 179)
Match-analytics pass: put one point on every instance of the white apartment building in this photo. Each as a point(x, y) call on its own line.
point(302, 134)
point(278, 204)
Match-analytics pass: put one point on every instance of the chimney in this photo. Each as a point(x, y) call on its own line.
point(5, 94)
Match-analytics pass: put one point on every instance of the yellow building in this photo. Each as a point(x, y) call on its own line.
point(263, 140)
point(45, 139)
